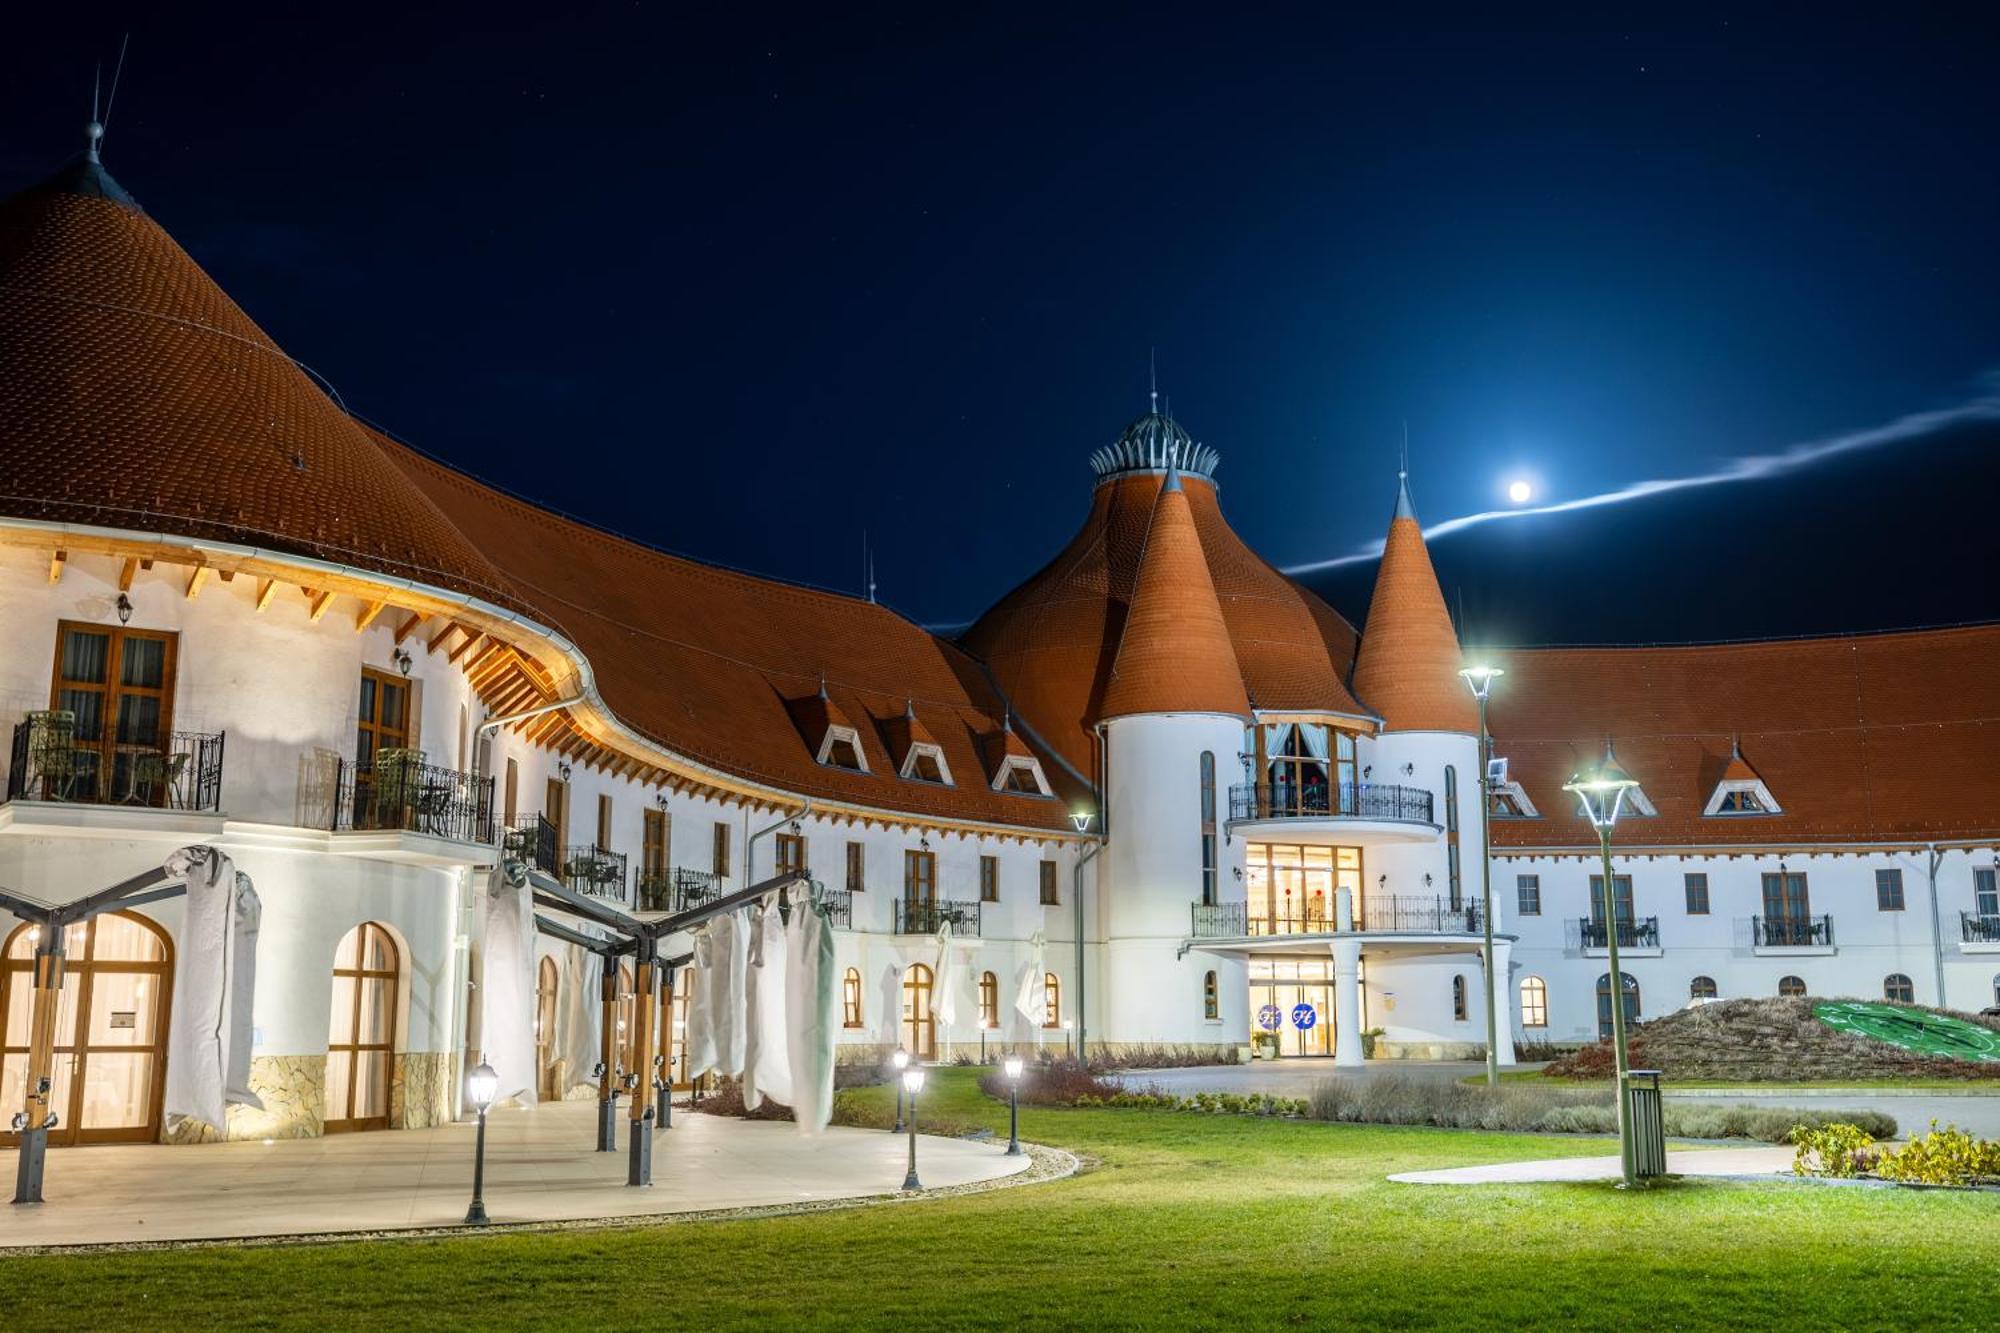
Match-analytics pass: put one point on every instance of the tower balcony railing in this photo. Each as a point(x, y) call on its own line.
point(398, 791)
point(1791, 932)
point(1397, 914)
point(926, 916)
point(1979, 928)
point(1639, 934)
point(49, 762)
point(1353, 800)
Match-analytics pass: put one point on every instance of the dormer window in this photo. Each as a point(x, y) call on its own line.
point(842, 749)
point(1741, 791)
point(1022, 776)
point(926, 763)
point(1510, 801)
point(1740, 803)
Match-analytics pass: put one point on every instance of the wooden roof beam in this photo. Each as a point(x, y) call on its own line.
point(441, 636)
point(366, 615)
point(56, 563)
point(264, 590)
point(472, 637)
point(415, 619)
point(320, 601)
point(195, 580)
point(126, 573)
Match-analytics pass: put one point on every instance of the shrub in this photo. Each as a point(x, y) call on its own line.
point(1056, 1082)
point(1162, 1057)
point(1947, 1156)
point(1841, 1151)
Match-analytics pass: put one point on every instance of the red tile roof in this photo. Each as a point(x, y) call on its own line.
point(1052, 640)
point(1174, 654)
point(1407, 670)
point(1890, 737)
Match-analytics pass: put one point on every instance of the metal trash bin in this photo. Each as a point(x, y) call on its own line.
point(1649, 1123)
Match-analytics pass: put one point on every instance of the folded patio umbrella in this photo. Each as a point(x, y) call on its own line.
point(208, 1050)
point(507, 986)
point(729, 966)
point(576, 1027)
point(767, 1071)
point(1030, 1001)
point(700, 1037)
point(944, 990)
point(809, 1030)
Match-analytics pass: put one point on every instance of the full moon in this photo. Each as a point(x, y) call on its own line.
point(1519, 491)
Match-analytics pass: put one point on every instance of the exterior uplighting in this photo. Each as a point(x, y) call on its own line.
point(901, 1061)
point(482, 1085)
point(913, 1083)
point(1602, 789)
point(1081, 820)
point(1013, 1068)
point(1479, 679)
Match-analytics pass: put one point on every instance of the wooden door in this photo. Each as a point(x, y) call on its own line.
point(361, 1041)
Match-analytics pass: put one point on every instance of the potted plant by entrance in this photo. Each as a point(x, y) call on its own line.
point(1368, 1042)
point(1267, 1045)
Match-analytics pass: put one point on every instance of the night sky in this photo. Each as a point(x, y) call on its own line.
point(746, 284)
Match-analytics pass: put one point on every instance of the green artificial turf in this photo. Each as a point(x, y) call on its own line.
point(1183, 1220)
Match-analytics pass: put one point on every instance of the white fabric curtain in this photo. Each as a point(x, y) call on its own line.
point(215, 985)
point(1029, 1001)
point(507, 986)
point(945, 981)
point(727, 973)
point(577, 1024)
point(809, 1021)
point(701, 1054)
point(1314, 734)
point(767, 1068)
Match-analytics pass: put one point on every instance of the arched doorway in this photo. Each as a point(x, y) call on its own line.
point(111, 1029)
point(1604, 1002)
point(361, 1036)
point(628, 1016)
point(919, 1027)
point(547, 1075)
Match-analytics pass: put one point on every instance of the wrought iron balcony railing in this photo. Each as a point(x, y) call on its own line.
point(1791, 932)
point(1640, 934)
point(591, 870)
point(1387, 913)
point(532, 839)
point(678, 890)
point(924, 916)
point(1978, 928)
point(397, 791)
point(48, 761)
point(840, 909)
point(1358, 800)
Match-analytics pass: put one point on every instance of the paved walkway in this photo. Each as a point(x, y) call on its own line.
point(539, 1167)
point(1704, 1162)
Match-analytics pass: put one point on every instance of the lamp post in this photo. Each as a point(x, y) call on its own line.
point(901, 1061)
point(1069, 1035)
point(1480, 679)
point(482, 1084)
point(913, 1080)
point(1013, 1106)
point(1602, 790)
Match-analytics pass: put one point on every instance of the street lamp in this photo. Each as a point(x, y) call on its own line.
point(1069, 1035)
point(1480, 679)
point(1013, 1106)
point(901, 1060)
point(482, 1085)
point(1602, 790)
point(913, 1080)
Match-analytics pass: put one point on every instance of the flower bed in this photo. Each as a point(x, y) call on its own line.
point(1948, 1156)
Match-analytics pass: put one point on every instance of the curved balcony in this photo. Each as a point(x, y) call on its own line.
point(1381, 914)
point(1355, 813)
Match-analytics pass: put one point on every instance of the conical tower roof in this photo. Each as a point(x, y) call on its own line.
point(1407, 668)
point(1174, 653)
point(135, 394)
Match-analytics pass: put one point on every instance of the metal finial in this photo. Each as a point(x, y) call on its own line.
point(1153, 374)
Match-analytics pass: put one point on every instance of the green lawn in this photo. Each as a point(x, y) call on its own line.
point(1184, 1220)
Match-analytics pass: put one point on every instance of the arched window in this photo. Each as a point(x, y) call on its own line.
point(1458, 998)
point(547, 984)
point(850, 999)
point(1451, 837)
point(1791, 987)
point(1208, 866)
point(1631, 988)
point(1211, 998)
point(1701, 988)
point(361, 1039)
point(1051, 1001)
point(989, 1000)
point(1534, 1002)
point(1896, 986)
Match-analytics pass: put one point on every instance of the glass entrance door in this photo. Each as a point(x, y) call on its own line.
point(1293, 999)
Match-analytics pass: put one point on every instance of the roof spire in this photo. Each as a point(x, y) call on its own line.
point(1153, 372)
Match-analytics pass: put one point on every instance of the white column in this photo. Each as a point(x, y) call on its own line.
point(1503, 997)
point(1346, 1002)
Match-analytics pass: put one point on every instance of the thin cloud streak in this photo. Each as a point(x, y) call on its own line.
point(1755, 467)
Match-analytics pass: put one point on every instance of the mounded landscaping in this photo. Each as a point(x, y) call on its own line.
point(1772, 1041)
point(1181, 1220)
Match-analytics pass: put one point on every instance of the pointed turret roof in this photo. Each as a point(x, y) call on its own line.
point(1174, 653)
point(1407, 668)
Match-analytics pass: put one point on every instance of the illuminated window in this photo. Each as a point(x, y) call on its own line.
point(989, 1000)
point(1211, 998)
point(1791, 987)
point(1896, 986)
point(850, 999)
point(1534, 1002)
point(1458, 998)
point(1051, 1001)
point(1049, 884)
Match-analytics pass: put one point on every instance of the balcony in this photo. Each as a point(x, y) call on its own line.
point(928, 916)
point(594, 872)
point(1792, 933)
point(1355, 803)
point(532, 839)
point(398, 792)
point(1979, 931)
point(840, 910)
point(1641, 936)
point(678, 890)
point(49, 762)
point(1386, 914)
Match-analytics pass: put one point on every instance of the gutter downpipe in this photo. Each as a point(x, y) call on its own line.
point(1935, 858)
point(1076, 890)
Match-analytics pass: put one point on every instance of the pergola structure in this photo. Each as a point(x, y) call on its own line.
point(35, 1119)
point(652, 981)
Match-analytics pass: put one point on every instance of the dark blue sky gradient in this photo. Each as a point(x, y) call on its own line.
point(744, 284)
